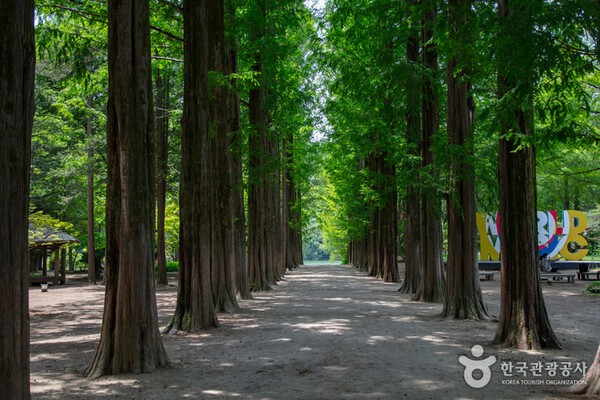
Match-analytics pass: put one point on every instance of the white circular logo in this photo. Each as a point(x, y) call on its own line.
point(482, 365)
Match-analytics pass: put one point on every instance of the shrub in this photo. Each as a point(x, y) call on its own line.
point(172, 266)
point(593, 289)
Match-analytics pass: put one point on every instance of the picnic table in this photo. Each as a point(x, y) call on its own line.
point(558, 277)
point(486, 275)
point(587, 275)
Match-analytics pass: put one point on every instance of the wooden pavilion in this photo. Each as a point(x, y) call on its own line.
point(43, 242)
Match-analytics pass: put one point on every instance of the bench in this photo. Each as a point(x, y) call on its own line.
point(486, 275)
point(587, 275)
point(556, 277)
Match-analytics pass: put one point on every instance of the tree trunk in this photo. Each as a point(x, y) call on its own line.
point(222, 255)
point(258, 254)
point(262, 242)
point(292, 217)
point(523, 321)
point(91, 248)
point(432, 284)
point(591, 387)
point(463, 292)
point(130, 339)
point(162, 136)
point(71, 260)
point(17, 68)
point(388, 221)
point(195, 305)
point(237, 195)
point(412, 229)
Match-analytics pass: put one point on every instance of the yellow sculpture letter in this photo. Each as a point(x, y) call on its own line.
point(488, 249)
point(575, 222)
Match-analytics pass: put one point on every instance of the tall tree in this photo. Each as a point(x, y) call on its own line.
point(91, 246)
point(237, 182)
point(130, 339)
point(412, 229)
point(162, 139)
point(263, 176)
point(222, 252)
point(523, 321)
point(195, 308)
point(463, 293)
point(432, 284)
point(17, 68)
point(291, 206)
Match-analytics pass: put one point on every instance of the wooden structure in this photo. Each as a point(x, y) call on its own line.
point(44, 242)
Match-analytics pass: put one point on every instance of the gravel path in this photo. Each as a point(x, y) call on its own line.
point(325, 332)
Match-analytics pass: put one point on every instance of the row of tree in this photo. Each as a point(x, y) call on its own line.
point(519, 62)
point(86, 46)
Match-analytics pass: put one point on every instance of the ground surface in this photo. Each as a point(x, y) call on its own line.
point(325, 332)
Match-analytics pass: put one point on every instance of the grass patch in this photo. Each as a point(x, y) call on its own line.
point(593, 289)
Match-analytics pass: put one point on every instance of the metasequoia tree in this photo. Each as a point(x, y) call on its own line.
point(412, 242)
point(463, 293)
point(17, 68)
point(162, 139)
point(222, 251)
point(291, 207)
point(91, 247)
point(382, 238)
point(265, 249)
point(237, 183)
point(431, 285)
point(130, 339)
point(195, 308)
point(523, 321)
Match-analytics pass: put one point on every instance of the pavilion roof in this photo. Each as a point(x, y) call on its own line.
point(45, 236)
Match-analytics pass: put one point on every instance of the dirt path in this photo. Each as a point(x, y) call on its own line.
point(326, 332)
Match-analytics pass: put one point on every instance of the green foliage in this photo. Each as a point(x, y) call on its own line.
point(172, 266)
point(593, 289)
point(592, 234)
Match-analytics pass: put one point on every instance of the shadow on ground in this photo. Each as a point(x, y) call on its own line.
point(325, 332)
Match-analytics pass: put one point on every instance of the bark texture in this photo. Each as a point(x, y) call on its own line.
point(591, 387)
point(17, 67)
point(463, 292)
point(130, 339)
point(523, 321)
point(195, 308)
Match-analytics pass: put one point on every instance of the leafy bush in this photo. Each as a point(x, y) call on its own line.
point(593, 289)
point(172, 266)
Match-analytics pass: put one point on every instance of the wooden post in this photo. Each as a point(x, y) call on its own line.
point(44, 262)
point(56, 265)
point(63, 265)
point(71, 260)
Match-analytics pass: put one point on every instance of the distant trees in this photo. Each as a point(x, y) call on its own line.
point(17, 68)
